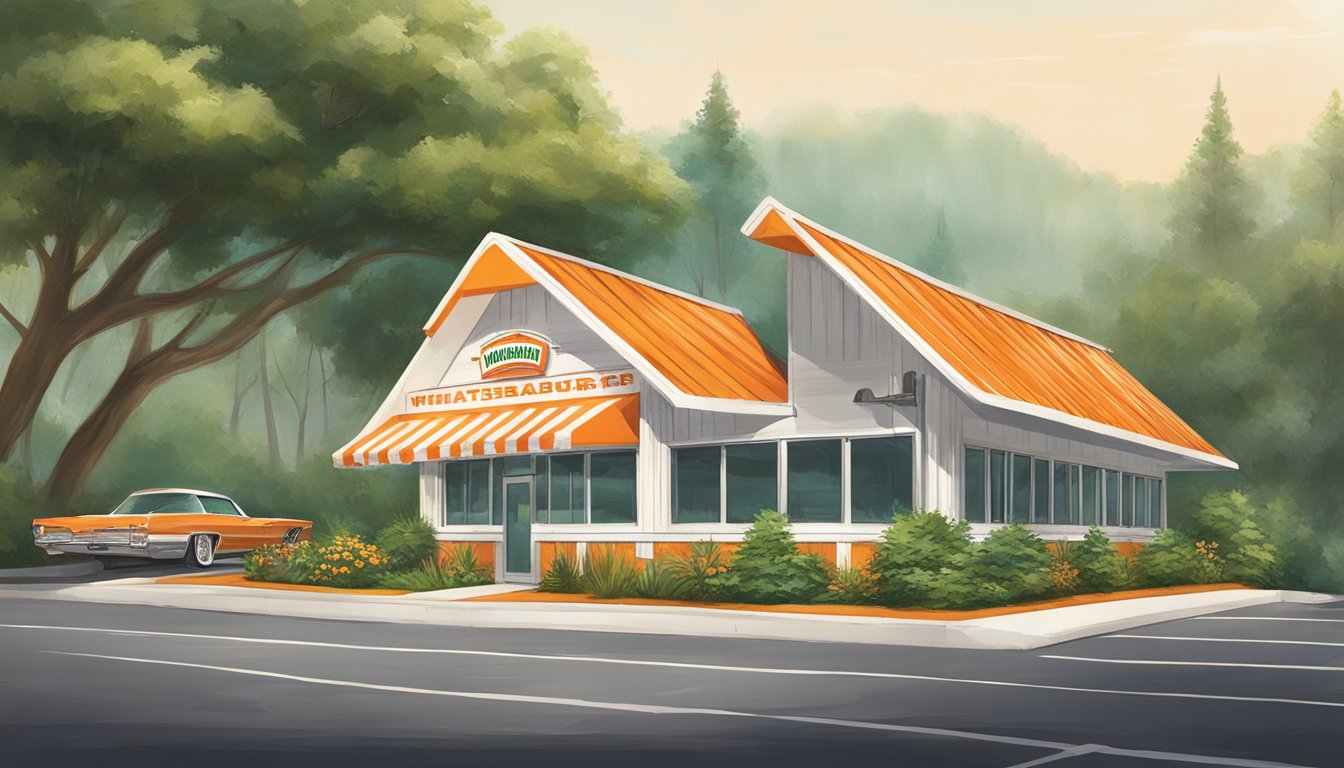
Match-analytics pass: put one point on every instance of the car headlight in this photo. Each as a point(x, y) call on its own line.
point(38, 530)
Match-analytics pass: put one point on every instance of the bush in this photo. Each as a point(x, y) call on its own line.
point(407, 543)
point(768, 568)
point(1247, 555)
point(1101, 567)
point(276, 563)
point(1011, 565)
point(459, 569)
point(697, 572)
point(562, 575)
point(347, 562)
point(850, 586)
point(921, 561)
point(608, 573)
point(1174, 558)
point(656, 581)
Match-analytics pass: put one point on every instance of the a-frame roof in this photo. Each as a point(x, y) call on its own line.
point(994, 355)
point(697, 353)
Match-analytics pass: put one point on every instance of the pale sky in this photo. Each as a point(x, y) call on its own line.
point(1117, 86)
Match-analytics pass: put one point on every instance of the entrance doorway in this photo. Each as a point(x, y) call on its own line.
point(518, 529)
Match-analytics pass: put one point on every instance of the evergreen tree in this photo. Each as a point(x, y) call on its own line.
point(1212, 218)
point(1319, 191)
point(939, 257)
point(714, 159)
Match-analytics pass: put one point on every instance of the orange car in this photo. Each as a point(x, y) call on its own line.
point(168, 523)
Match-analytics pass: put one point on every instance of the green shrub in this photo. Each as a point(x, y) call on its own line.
point(1011, 565)
point(18, 507)
point(1101, 567)
point(1231, 520)
point(850, 586)
point(921, 561)
point(608, 573)
point(656, 581)
point(407, 542)
point(562, 575)
point(276, 563)
point(459, 569)
point(347, 562)
point(1174, 558)
point(768, 568)
point(696, 573)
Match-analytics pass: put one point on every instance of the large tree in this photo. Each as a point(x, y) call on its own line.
point(190, 173)
point(714, 158)
point(1213, 213)
point(1319, 188)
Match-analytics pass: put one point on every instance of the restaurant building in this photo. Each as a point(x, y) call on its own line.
point(556, 403)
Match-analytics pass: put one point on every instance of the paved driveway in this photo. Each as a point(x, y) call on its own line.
point(1252, 687)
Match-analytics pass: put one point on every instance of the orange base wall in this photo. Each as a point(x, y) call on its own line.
point(485, 551)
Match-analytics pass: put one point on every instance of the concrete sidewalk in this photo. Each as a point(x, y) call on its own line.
point(1017, 631)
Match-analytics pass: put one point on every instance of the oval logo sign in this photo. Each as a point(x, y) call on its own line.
point(514, 353)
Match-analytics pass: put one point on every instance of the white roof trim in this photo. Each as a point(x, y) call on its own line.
point(941, 364)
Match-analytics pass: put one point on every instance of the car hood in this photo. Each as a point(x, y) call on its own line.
point(81, 522)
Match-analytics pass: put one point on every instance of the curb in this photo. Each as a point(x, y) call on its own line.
point(47, 573)
point(1023, 631)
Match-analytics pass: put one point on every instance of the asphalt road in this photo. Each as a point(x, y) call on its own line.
point(1252, 687)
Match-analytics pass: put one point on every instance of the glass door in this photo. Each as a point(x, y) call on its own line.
point(518, 528)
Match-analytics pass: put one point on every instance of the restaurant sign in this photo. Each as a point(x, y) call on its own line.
point(514, 353)
point(567, 387)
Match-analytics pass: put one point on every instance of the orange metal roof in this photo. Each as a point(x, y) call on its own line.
point(703, 350)
point(1007, 355)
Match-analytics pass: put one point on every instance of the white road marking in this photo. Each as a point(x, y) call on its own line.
point(1195, 663)
point(1263, 618)
point(1229, 640)
point(655, 709)
point(707, 667)
point(1082, 749)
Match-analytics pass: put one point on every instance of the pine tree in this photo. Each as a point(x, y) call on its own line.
point(714, 159)
point(939, 257)
point(1212, 219)
point(1319, 191)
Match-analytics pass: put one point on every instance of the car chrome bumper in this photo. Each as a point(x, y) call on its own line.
point(113, 542)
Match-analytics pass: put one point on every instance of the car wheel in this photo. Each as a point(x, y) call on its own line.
point(200, 551)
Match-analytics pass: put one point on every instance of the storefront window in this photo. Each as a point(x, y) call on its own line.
point(1066, 506)
point(998, 485)
point(696, 492)
point(1020, 508)
point(1091, 496)
point(1040, 505)
point(814, 491)
point(566, 493)
point(1112, 479)
point(612, 490)
point(974, 496)
point(752, 471)
point(466, 486)
point(881, 478)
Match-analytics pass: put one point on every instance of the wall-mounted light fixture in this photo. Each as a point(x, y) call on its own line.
point(910, 383)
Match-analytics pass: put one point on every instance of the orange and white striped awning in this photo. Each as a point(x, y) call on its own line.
point(555, 425)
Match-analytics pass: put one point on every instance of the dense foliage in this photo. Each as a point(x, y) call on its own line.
point(921, 560)
point(1101, 567)
point(407, 543)
point(769, 568)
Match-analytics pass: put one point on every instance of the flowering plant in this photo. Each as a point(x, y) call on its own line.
point(276, 563)
point(345, 561)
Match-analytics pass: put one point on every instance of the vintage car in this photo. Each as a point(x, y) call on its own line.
point(168, 523)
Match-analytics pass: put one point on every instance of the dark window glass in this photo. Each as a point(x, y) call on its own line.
point(814, 481)
point(612, 491)
point(478, 492)
point(695, 483)
point(541, 487)
point(567, 488)
point(1091, 496)
point(1155, 502)
point(881, 478)
point(998, 485)
point(974, 485)
point(1141, 502)
point(753, 480)
point(506, 466)
point(1019, 509)
point(1063, 507)
point(1112, 479)
point(217, 506)
point(1075, 493)
point(455, 493)
point(1040, 505)
point(160, 504)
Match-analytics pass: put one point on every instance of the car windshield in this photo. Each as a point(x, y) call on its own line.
point(160, 503)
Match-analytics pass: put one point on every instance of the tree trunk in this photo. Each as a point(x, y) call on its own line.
point(50, 338)
point(272, 438)
point(29, 462)
point(326, 407)
point(239, 391)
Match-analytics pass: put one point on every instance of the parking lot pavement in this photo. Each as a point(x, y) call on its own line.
point(217, 688)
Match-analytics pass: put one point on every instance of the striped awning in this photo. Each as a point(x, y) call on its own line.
point(555, 425)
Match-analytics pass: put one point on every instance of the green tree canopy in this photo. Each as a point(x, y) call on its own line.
point(1319, 187)
point(204, 166)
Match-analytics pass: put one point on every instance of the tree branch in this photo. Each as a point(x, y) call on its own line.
point(14, 321)
point(111, 228)
point(126, 277)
